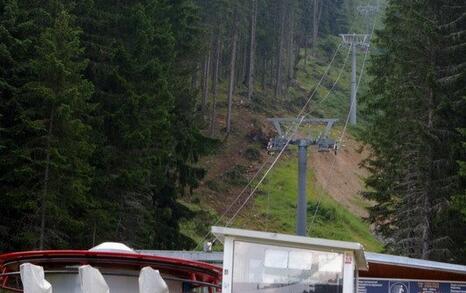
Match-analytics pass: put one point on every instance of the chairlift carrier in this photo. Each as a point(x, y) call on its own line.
point(323, 140)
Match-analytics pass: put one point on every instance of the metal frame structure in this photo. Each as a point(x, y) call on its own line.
point(354, 257)
point(354, 41)
point(367, 10)
point(54, 261)
point(75, 271)
point(277, 123)
point(323, 142)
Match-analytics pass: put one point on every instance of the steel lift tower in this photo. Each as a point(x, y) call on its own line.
point(368, 11)
point(322, 141)
point(355, 41)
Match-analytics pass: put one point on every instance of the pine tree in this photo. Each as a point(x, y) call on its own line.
point(17, 34)
point(145, 126)
point(46, 139)
point(414, 166)
point(452, 80)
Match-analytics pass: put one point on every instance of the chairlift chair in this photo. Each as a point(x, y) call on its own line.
point(326, 145)
point(276, 144)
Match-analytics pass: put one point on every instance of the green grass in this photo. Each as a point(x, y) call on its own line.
point(311, 70)
point(275, 210)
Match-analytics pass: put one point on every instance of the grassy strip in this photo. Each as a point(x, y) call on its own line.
point(275, 210)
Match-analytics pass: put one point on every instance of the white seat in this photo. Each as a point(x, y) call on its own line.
point(150, 281)
point(92, 281)
point(33, 279)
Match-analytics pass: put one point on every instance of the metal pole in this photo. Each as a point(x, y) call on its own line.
point(301, 216)
point(353, 100)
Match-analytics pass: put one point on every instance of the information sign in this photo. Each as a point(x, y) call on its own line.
point(408, 286)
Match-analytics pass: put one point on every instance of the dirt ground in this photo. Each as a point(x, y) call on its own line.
point(345, 182)
point(245, 122)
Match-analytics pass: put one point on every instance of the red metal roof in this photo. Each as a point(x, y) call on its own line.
point(185, 269)
point(378, 270)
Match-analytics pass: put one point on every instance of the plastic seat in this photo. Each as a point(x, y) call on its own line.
point(33, 279)
point(92, 281)
point(150, 281)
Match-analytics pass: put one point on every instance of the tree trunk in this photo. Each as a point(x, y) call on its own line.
point(427, 208)
point(232, 72)
point(194, 78)
point(278, 79)
point(206, 83)
point(43, 199)
point(297, 58)
point(321, 5)
point(252, 48)
point(290, 48)
point(218, 49)
point(271, 73)
point(315, 22)
point(243, 60)
point(264, 73)
point(201, 77)
point(426, 229)
point(306, 52)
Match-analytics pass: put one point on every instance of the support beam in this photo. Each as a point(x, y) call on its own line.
point(368, 12)
point(301, 215)
point(277, 123)
point(303, 144)
point(355, 41)
point(354, 87)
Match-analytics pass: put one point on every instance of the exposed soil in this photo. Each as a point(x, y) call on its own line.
point(249, 129)
point(345, 182)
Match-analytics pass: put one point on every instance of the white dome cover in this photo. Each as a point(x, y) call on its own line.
point(112, 247)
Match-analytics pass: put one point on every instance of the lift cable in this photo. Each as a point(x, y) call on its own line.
point(332, 167)
point(251, 194)
point(235, 200)
point(275, 160)
point(338, 77)
point(289, 137)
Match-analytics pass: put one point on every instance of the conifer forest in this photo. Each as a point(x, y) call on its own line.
point(111, 113)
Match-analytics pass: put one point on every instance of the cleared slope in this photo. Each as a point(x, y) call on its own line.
point(275, 205)
point(273, 208)
point(344, 182)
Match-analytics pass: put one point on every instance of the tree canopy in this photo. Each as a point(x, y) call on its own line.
point(416, 107)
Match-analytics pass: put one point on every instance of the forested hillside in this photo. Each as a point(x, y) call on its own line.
point(112, 113)
point(97, 110)
point(106, 107)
